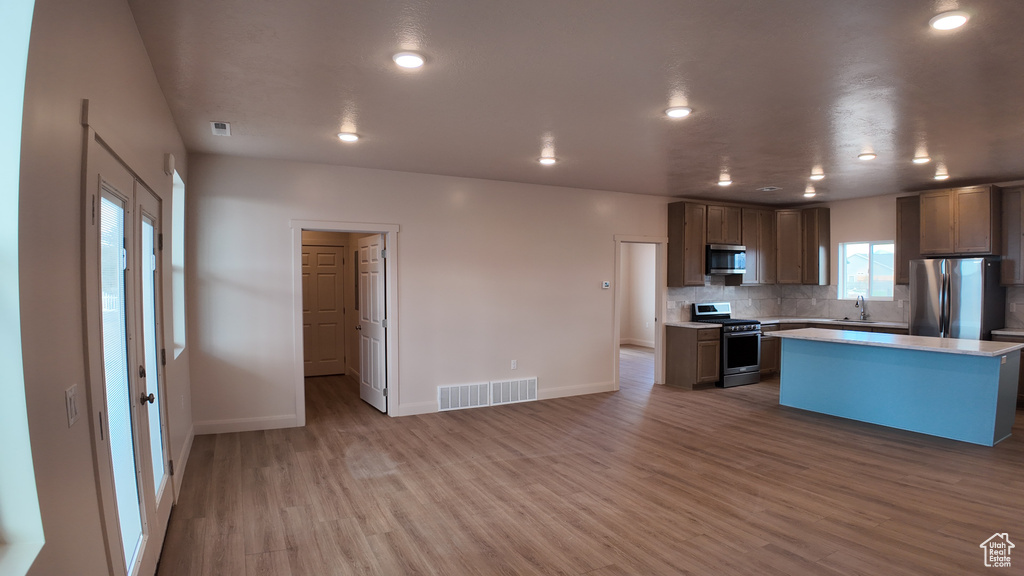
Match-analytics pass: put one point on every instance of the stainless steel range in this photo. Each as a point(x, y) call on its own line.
point(741, 343)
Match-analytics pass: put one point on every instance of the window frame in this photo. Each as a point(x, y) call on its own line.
point(841, 290)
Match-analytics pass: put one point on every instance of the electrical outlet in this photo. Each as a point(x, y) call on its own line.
point(1013, 306)
point(515, 364)
point(750, 301)
point(71, 403)
point(899, 303)
point(814, 301)
point(647, 324)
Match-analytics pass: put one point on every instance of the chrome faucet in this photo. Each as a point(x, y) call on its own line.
point(860, 304)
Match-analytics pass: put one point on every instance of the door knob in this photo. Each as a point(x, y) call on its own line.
point(145, 399)
point(358, 327)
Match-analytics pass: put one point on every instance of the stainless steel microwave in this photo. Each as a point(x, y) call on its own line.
point(726, 259)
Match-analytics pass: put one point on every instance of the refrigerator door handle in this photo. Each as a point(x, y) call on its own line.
point(944, 301)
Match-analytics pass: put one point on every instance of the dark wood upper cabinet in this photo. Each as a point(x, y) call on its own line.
point(817, 244)
point(759, 238)
point(686, 241)
point(724, 226)
point(908, 236)
point(789, 246)
point(958, 221)
point(1012, 241)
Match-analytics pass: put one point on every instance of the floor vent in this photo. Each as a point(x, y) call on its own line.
point(512, 391)
point(462, 396)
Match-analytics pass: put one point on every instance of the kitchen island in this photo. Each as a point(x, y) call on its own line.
point(959, 389)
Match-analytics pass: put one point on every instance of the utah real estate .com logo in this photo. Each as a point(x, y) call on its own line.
point(997, 550)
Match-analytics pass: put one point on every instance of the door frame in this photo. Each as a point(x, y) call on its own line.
point(390, 232)
point(660, 302)
point(93, 343)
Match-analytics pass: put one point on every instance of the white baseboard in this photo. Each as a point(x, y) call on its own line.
point(636, 342)
point(182, 461)
point(414, 408)
point(244, 424)
point(578, 390)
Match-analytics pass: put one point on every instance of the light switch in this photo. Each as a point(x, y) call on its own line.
point(71, 403)
point(606, 285)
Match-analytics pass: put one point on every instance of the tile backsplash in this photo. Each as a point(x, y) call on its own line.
point(796, 301)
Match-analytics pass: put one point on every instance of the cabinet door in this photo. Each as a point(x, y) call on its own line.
point(937, 222)
point(1012, 271)
point(766, 264)
point(732, 231)
point(908, 236)
point(751, 238)
point(816, 246)
point(707, 361)
point(972, 220)
point(716, 224)
point(770, 354)
point(789, 247)
point(693, 244)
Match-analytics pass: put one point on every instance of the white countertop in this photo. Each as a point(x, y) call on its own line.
point(693, 324)
point(925, 343)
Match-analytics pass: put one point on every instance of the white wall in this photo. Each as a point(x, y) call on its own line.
point(862, 219)
point(489, 272)
point(79, 50)
point(637, 284)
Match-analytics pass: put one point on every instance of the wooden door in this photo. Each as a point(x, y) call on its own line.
point(790, 246)
point(1012, 271)
point(707, 361)
point(693, 244)
point(372, 322)
point(751, 238)
point(973, 222)
point(937, 222)
point(767, 267)
point(908, 236)
point(323, 310)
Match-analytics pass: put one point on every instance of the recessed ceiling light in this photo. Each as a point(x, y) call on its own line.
point(408, 59)
point(724, 181)
point(817, 176)
point(348, 136)
point(547, 160)
point(809, 191)
point(678, 111)
point(867, 156)
point(921, 159)
point(942, 176)
point(949, 20)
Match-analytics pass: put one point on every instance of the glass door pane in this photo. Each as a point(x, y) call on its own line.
point(149, 341)
point(113, 262)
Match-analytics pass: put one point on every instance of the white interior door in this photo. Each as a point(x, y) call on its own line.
point(372, 325)
point(323, 312)
point(124, 321)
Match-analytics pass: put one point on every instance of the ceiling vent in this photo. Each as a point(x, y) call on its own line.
point(220, 128)
point(769, 189)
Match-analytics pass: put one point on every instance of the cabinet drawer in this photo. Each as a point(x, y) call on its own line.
point(708, 334)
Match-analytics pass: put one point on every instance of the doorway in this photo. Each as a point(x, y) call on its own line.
point(640, 278)
point(367, 344)
point(124, 352)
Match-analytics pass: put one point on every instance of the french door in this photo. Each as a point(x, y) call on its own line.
point(124, 320)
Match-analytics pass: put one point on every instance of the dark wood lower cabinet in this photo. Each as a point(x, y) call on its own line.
point(1020, 380)
point(692, 356)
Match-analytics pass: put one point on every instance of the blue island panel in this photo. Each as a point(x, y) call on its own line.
point(957, 396)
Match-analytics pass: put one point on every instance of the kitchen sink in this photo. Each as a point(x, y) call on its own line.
point(847, 320)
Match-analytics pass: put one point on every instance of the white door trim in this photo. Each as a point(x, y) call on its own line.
point(390, 231)
point(660, 302)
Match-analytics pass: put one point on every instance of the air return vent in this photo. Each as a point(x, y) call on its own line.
point(769, 189)
point(220, 128)
point(512, 391)
point(462, 396)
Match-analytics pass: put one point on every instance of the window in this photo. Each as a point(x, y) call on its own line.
point(21, 527)
point(866, 269)
point(178, 263)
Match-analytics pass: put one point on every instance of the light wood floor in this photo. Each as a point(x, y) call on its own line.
point(648, 480)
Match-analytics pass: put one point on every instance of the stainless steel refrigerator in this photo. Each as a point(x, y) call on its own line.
point(956, 298)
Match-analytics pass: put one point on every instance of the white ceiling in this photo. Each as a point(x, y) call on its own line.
point(777, 87)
